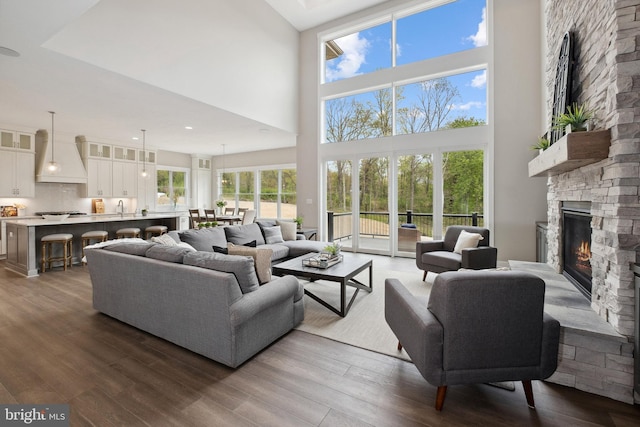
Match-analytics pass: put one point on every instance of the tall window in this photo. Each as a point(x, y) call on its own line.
point(404, 102)
point(272, 192)
point(172, 188)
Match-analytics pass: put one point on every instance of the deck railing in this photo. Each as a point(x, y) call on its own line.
point(374, 224)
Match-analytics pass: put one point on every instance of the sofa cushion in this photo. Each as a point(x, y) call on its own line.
point(130, 247)
point(168, 253)
point(289, 229)
point(243, 234)
point(445, 259)
point(303, 247)
point(240, 266)
point(273, 234)
point(261, 259)
point(204, 239)
point(279, 250)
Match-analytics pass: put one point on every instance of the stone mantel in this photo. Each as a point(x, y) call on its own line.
point(574, 150)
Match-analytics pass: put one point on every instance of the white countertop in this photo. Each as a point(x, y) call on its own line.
point(90, 218)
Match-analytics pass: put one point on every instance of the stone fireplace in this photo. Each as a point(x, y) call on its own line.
point(606, 77)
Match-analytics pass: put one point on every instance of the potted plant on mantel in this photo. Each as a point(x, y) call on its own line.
point(576, 119)
point(543, 144)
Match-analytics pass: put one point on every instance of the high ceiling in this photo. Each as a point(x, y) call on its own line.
point(80, 58)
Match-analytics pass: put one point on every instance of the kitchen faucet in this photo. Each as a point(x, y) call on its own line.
point(121, 207)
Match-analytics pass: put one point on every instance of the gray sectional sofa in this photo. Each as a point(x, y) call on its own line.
point(208, 302)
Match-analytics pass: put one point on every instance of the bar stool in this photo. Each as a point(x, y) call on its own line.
point(128, 232)
point(155, 230)
point(89, 236)
point(66, 240)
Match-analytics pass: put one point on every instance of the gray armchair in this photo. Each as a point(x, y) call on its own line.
point(478, 327)
point(438, 256)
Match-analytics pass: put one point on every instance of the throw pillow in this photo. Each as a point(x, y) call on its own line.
point(467, 240)
point(273, 235)
point(220, 250)
point(261, 260)
point(164, 239)
point(242, 234)
point(240, 266)
point(187, 246)
point(251, 244)
point(289, 229)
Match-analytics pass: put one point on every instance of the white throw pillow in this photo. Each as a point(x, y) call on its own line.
point(467, 240)
point(288, 229)
point(164, 239)
point(273, 235)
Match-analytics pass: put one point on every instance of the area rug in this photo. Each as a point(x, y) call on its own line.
point(364, 326)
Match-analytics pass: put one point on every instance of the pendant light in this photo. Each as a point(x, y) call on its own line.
point(222, 180)
point(144, 154)
point(52, 166)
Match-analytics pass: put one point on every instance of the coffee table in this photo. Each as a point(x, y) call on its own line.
point(342, 273)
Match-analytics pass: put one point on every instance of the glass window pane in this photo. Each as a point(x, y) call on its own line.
point(447, 102)
point(374, 203)
point(246, 189)
point(415, 195)
point(366, 115)
point(229, 188)
point(179, 188)
point(359, 53)
point(288, 199)
point(339, 201)
point(463, 187)
point(431, 33)
point(269, 194)
point(163, 188)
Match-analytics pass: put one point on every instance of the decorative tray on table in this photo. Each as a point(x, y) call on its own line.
point(321, 260)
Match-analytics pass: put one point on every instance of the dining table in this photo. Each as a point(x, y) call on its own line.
point(230, 219)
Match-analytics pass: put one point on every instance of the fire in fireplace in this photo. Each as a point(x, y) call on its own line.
point(576, 242)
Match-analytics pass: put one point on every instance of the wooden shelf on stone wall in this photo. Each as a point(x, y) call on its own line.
point(574, 150)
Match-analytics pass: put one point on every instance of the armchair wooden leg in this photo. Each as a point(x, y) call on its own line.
point(528, 392)
point(424, 276)
point(399, 346)
point(441, 394)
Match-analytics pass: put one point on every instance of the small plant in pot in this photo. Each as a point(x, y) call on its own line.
point(543, 144)
point(333, 250)
point(144, 212)
point(575, 119)
point(298, 220)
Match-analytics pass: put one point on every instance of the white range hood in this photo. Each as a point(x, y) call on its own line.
point(70, 166)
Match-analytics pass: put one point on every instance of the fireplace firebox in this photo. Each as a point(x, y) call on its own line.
point(576, 244)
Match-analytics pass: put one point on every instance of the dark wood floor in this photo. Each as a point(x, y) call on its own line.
point(54, 348)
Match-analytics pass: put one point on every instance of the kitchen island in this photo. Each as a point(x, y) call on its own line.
point(24, 250)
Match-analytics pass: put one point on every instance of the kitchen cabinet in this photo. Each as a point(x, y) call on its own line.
point(201, 188)
point(124, 179)
point(147, 156)
point(16, 140)
point(99, 177)
point(97, 150)
point(125, 154)
point(17, 173)
point(147, 187)
point(18, 248)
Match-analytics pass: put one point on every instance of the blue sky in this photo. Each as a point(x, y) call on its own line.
point(450, 28)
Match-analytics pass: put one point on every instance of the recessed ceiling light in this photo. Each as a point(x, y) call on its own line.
point(188, 127)
point(8, 52)
point(135, 138)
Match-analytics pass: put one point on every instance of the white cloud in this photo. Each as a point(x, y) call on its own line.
point(348, 65)
point(480, 37)
point(480, 80)
point(466, 106)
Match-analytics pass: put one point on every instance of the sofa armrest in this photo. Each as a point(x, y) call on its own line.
point(429, 246)
point(417, 329)
point(479, 258)
point(267, 296)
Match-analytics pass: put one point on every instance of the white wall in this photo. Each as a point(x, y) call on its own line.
point(518, 201)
